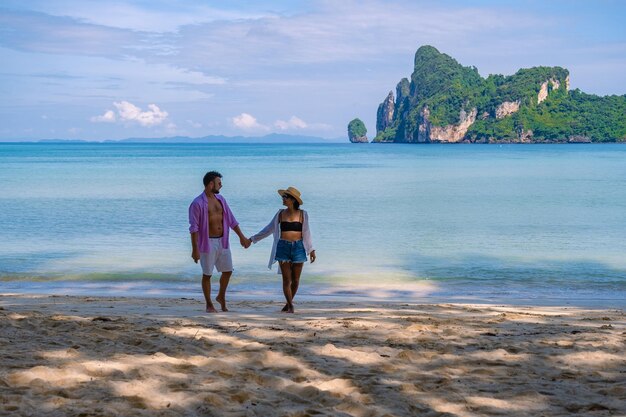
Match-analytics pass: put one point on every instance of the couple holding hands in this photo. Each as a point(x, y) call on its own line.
point(210, 220)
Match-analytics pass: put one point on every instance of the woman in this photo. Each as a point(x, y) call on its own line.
point(292, 242)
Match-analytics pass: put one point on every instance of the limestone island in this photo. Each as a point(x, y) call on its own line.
point(445, 102)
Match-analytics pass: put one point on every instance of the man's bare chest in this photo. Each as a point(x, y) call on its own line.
point(215, 209)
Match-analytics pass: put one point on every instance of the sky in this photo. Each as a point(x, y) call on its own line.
point(97, 70)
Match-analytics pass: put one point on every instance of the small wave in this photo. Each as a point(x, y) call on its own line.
point(97, 277)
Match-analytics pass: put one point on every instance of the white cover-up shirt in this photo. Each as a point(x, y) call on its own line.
point(274, 228)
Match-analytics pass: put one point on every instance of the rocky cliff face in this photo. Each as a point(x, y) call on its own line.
point(454, 132)
point(358, 139)
point(507, 108)
point(525, 136)
point(543, 91)
point(446, 134)
point(385, 114)
point(423, 130)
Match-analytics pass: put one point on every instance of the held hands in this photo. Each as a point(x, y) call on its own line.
point(312, 256)
point(245, 242)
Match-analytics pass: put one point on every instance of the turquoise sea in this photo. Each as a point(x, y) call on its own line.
point(533, 224)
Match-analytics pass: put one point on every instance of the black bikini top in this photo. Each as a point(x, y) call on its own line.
point(291, 226)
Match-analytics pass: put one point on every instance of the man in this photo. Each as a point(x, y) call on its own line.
point(210, 220)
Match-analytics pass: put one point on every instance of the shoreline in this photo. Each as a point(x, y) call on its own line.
point(165, 356)
point(365, 293)
point(317, 141)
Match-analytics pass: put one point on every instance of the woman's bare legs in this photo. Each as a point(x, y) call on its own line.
point(296, 271)
point(285, 268)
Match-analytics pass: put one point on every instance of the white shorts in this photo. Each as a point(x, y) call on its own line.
point(218, 257)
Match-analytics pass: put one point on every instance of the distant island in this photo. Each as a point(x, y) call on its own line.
point(444, 102)
point(357, 132)
point(273, 138)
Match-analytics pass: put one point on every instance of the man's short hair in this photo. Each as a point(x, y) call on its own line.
point(210, 176)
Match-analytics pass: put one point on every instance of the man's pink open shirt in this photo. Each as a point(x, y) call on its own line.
point(199, 221)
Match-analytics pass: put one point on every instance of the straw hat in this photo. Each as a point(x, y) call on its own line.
point(293, 192)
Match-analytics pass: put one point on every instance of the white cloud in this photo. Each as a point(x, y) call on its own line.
point(128, 112)
point(150, 16)
point(293, 123)
point(339, 32)
point(171, 128)
point(194, 124)
point(107, 117)
point(131, 113)
point(246, 121)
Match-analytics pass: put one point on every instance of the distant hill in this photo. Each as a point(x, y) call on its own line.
point(447, 102)
point(271, 138)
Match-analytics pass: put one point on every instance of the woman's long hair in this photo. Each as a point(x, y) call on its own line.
point(296, 205)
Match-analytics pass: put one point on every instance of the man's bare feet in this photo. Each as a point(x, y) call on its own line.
point(222, 302)
point(211, 309)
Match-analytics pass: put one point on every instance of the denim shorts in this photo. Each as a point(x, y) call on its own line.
point(287, 251)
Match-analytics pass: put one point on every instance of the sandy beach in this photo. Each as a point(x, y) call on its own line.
point(88, 356)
